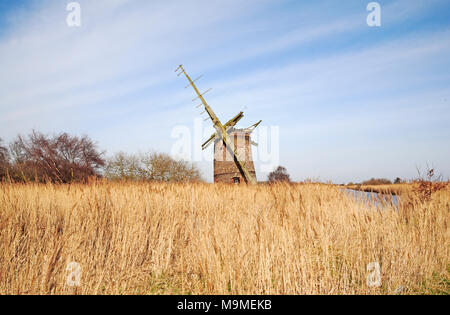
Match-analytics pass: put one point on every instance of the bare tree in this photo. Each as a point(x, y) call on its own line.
point(279, 175)
point(60, 158)
point(4, 160)
point(123, 166)
point(150, 167)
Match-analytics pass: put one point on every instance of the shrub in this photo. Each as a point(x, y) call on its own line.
point(158, 167)
point(426, 185)
point(279, 175)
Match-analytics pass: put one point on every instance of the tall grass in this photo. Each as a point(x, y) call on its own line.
point(137, 238)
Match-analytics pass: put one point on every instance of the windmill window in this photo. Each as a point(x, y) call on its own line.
point(236, 180)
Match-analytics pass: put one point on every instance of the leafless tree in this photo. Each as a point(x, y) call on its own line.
point(279, 175)
point(123, 166)
point(4, 160)
point(60, 158)
point(152, 166)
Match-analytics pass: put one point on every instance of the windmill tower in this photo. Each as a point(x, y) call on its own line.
point(233, 161)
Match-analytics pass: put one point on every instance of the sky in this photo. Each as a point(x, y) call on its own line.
point(340, 101)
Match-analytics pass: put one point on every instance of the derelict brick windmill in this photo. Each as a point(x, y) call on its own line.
point(233, 162)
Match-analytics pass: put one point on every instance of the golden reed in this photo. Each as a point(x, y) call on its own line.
point(142, 238)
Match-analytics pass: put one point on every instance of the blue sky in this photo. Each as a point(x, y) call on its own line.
point(351, 102)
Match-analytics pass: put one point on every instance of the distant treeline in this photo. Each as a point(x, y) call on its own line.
point(377, 181)
point(64, 158)
point(380, 181)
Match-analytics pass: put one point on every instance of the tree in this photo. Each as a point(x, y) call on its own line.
point(123, 166)
point(279, 175)
point(152, 166)
point(60, 158)
point(397, 180)
point(4, 160)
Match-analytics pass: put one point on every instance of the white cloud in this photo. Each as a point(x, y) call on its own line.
point(113, 77)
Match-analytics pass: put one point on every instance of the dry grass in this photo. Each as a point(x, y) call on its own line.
point(212, 239)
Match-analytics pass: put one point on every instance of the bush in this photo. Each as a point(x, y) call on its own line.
point(279, 175)
point(426, 185)
point(158, 167)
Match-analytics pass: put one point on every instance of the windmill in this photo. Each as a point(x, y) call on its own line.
point(241, 165)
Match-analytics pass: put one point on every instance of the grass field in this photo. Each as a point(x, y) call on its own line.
point(132, 238)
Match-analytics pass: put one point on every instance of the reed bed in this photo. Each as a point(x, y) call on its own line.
point(393, 189)
point(143, 238)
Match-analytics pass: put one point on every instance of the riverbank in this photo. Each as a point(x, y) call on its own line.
point(394, 189)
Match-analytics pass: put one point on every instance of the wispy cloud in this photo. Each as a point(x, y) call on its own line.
point(316, 70)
